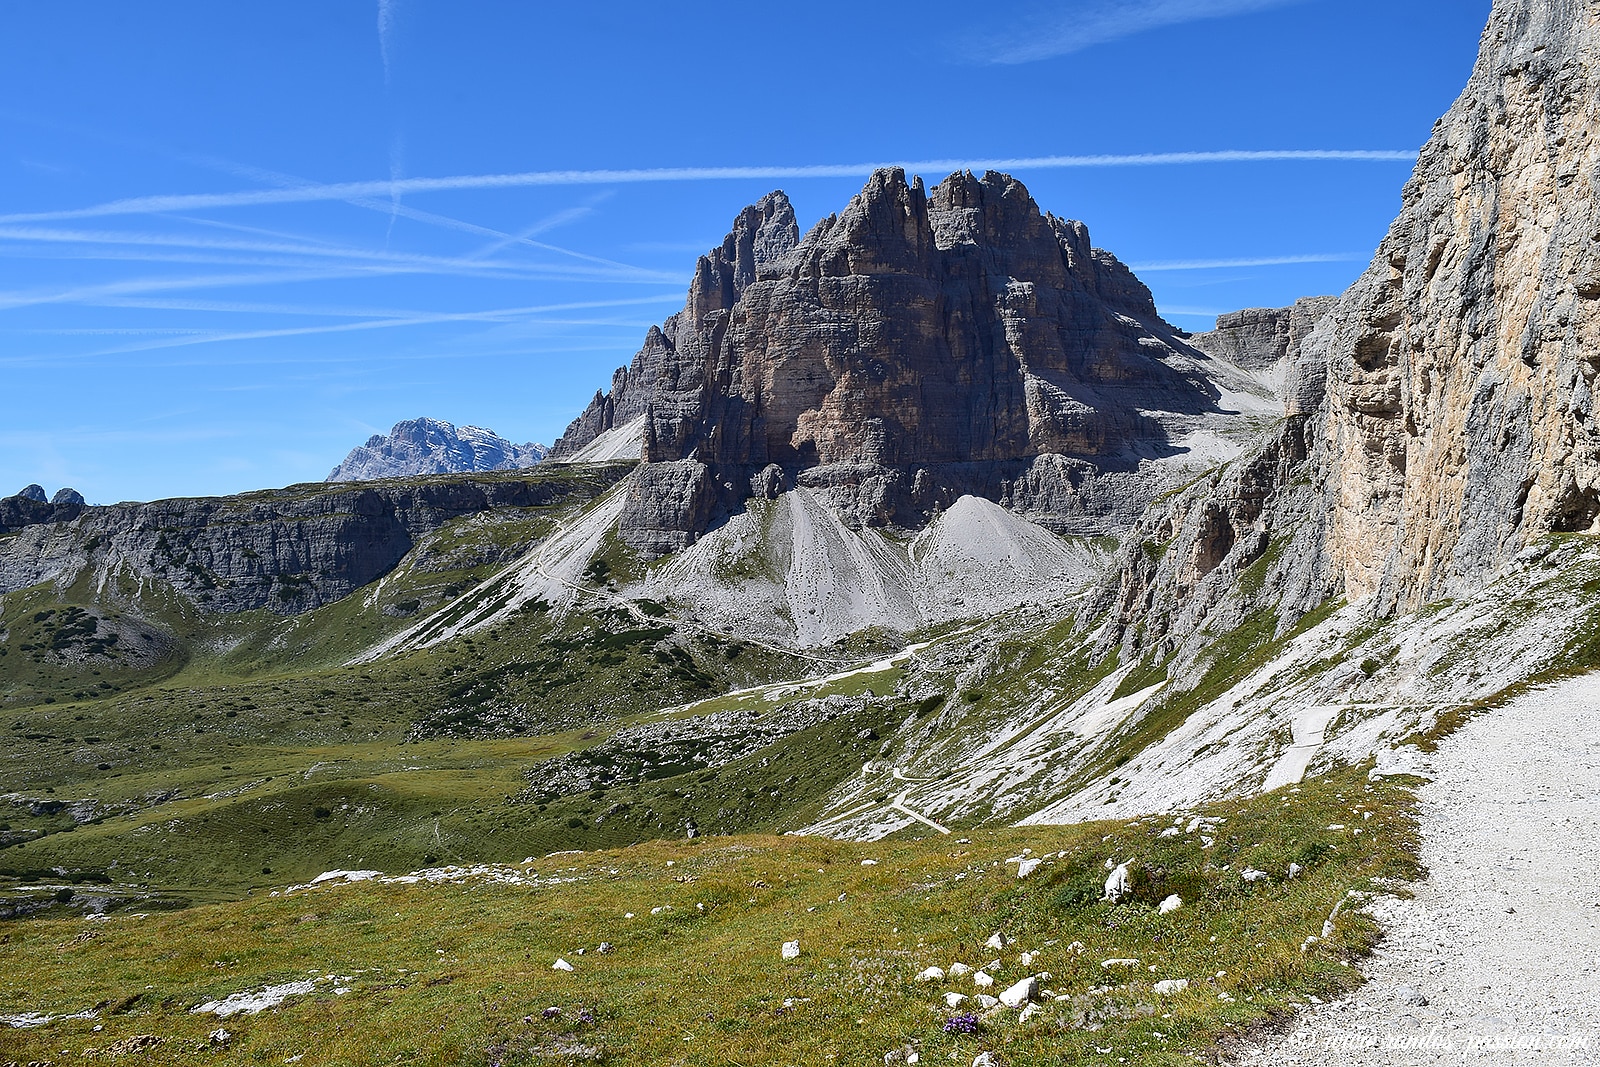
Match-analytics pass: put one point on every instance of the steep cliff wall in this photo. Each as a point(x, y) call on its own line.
point(287, 550)
point(1442, 414)
point(917, 346)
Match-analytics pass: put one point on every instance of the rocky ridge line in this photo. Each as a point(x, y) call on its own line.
point(432, 446)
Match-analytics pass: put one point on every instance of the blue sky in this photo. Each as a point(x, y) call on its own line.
point(235, 240)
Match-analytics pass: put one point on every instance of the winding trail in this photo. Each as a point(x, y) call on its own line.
point(1496, 960)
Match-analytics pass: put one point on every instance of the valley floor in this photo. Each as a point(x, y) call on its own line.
point(1497, 958)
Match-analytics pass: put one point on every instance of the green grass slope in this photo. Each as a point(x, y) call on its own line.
point(674, 948)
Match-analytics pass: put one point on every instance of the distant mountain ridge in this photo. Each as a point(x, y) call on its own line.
point(433, 446)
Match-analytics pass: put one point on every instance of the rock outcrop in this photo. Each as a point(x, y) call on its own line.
point(432, 446)
point(1454, 415)
point(285, 550)
point(916, 347)
point(29, 508)
point(1268, 343)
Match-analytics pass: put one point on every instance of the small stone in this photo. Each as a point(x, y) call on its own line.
point(958, 970)
point(996, 940)
point(1250, 874)
point(1170, 986)
point(561, 965)
point(790, 950)
point(1030, 1012)
point(985, 1059)
point(931, 974)
point(1117, 885)
point(985, 1001)
point(954, 1000)
point(1028, 866)
point(1171, 904)
point(983, 980)
point(606, 946)
point(1027, 959)
point(1410, 997)
point(1119, 962)
point(1295, 869)
point(220, 1037)
point(1021, 993)
point(869, 863)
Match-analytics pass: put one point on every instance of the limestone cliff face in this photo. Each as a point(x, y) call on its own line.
point(1268, 342)
point(916, 346)
point(286, 550)
point(1459, 421)
point(1444, 411)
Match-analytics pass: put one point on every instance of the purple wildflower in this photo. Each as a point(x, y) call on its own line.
point(965, 1023)
point(550, 1013)
point(585, 1015)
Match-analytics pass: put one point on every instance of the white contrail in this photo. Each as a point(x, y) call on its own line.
point(387, 188)
point(385, 29)
point(1261, 261)
point(419, 319)
point(1085, 25)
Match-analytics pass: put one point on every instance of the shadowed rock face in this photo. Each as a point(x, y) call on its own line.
point(1454, 419)
point(914, 347)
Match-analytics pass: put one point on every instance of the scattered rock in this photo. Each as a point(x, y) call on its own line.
point(1410, 997)
point(983, 980)
point(1294, 870)
point(1119, 962)
point(1250, 874)
point(985, 1059)
point(1171, 904)
point(1028, 866)
point(997, 940)
point(1170, 986)
point(790, 950)
point(985, 1001)
point(561, 965)
point(220, 1036)
point(954, 1000)
point(1030, 1012)
point(1021, 993)
point(958, 970)
point(1117, 885)
point(931, 974)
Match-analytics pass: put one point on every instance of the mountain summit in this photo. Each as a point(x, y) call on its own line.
point(916, 347)
point(433, 446)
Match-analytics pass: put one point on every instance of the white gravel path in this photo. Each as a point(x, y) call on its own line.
point(1503, 941)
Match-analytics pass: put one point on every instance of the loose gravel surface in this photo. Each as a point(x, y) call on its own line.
point(1497, 958)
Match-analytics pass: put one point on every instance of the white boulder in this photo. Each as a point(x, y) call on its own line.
point(1021, 993)
point(1171, 904)
point(790, 950)
point(1171, 986)
point(997, 940)
point(1117, 884)
point(1028, 866)
point(561, 965)
point(954, 1000)
point(983, 980)
point(931, 974)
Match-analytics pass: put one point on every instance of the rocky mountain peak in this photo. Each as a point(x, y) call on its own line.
point(34, 492)
point(912, 348)
point(433, 446)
